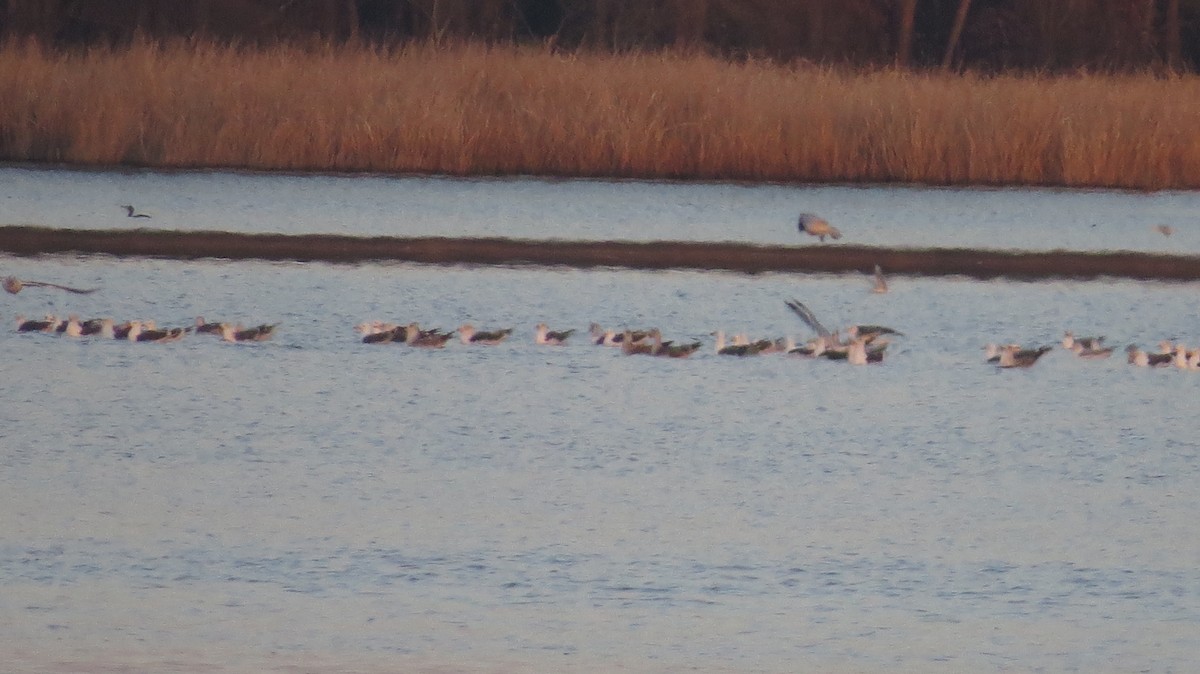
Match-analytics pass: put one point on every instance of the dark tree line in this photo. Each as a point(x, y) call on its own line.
point(1157, 35)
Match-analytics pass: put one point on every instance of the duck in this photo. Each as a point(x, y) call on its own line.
point(467, 334)
point(545, 335)
point(814, 225)
point(1013, 356)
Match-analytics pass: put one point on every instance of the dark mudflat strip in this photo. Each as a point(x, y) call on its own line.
point(24, 240)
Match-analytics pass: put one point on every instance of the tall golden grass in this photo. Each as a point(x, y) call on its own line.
point(477, 110)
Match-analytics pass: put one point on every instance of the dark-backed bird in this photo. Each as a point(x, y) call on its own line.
point(545, 335)
point(131, 212)
point(1012, 356)
point(258, 333)
point(467, 334)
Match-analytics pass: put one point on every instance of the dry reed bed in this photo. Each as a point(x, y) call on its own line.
point(475, 110)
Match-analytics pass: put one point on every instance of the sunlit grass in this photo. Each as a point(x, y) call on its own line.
point(475, 110)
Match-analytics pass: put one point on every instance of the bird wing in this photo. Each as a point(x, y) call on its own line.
point(809, 319)
point(78, 291)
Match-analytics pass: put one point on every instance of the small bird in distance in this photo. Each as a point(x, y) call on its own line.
point(132, 212)
point(880, 286)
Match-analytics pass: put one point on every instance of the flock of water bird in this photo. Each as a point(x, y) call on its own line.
point(856, 344)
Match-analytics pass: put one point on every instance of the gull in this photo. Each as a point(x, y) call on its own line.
point(829, 339)
point(260, 333)
point(734, 349)
point(1069, 341)
point(602, 337)
point(812, 349)
point(467, 334)
point(1012, 355)
point(857, 353)
point(1143, 359)
point(73, 327)
point(817, 226)
point(1092, 352)
point(385, 335)
point(630, 345)
point(130, 212)
point(204, 327)
point(430, 339)
point(870, 333)
point(553, 337)
point(146, 332)
point(14, 285)
point(47, 324)
point(881, 285)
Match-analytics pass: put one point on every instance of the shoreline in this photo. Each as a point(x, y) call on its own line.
point(29, 241)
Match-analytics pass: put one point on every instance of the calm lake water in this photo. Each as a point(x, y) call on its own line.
point(316, 504)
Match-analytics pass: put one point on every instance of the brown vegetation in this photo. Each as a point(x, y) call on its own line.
point(985, 35)
point(479, 110)
point(634, 255)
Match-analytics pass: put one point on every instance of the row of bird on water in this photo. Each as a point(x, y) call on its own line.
point(142, 330)
point(865, 344)
point(856, 344)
